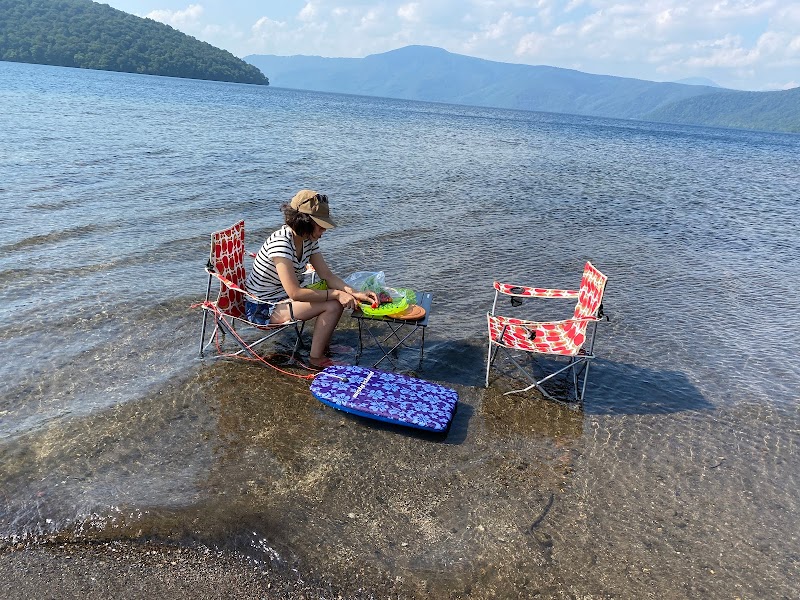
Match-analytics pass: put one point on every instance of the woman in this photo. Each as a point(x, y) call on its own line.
point(279, 267)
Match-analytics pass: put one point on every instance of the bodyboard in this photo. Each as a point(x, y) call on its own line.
point(389, 397)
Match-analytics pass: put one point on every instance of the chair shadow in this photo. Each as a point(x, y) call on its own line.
point(616, 388)
point(620, 389)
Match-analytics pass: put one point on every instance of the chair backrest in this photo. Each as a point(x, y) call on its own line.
point(227, 258)
point(593, 283)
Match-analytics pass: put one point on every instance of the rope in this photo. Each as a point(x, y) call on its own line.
point(207, 304)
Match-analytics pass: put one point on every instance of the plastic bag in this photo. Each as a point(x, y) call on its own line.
point(364, 281)
point(372, 281)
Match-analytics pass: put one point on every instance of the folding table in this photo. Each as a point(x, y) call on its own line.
point(390, 334)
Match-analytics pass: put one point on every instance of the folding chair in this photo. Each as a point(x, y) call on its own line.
point(226, 265)
point(566, 338)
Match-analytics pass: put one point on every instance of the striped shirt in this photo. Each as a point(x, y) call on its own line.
point(263, 280)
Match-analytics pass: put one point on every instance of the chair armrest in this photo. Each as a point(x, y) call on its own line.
point(540, 324)
point(532, 292)
point(548, 337)
point(229, 284)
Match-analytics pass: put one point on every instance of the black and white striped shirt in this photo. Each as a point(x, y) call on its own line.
point(263, 280)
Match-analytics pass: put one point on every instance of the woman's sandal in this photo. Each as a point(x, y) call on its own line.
point(338, 349)
point(322, 363)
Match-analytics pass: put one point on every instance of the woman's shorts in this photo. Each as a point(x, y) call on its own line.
point(258, 313)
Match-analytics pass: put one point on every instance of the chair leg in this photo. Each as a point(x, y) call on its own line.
point(575, 378)
point(225, 327)
point(585, 379)
point(490, 360)
point(203, 333)
point(298, 342)
point(217, 330)
point(534, 383)
point(205, 316)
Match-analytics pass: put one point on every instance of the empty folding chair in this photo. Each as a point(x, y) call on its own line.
point(571, 338)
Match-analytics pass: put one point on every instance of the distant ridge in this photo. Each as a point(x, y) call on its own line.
point(769, 111)
point(433, 74)
point(88, 35)
point(698, 81)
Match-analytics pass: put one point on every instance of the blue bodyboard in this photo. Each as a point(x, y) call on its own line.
point(389, 397)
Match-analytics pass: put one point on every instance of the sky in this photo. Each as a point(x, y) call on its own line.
point(739, 44)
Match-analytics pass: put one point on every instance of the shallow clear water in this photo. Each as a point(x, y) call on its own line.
point(677, 479)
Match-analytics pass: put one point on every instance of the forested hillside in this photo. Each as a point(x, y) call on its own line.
point(770, 111)
point(85, 34)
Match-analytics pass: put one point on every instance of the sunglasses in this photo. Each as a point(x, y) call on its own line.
point(321, 198)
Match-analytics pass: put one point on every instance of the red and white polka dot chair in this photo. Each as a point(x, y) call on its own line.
point(226, 265)
point(572, 338)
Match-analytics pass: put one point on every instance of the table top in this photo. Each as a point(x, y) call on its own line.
point(424, 300)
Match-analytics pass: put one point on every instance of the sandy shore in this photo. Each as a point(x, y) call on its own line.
point(126, 570)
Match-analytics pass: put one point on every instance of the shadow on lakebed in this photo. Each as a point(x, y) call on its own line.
point(614, 388)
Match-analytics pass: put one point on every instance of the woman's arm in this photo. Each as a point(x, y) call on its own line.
point(336, 284)
point(290, 284)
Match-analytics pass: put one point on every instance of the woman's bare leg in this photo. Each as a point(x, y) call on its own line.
point(327, 314)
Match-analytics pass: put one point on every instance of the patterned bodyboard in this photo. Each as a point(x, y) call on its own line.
point(389, 397)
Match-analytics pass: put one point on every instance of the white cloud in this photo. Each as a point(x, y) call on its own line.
point(666, 52)
point(409, 12)
point(731, 52)
point(370, 19)
point(530, 44)
point(502, 33)
point(788, 16)
point(265, 25)
point(179, 18)
point(724, 52)
point(308, 12)
point(735, 9)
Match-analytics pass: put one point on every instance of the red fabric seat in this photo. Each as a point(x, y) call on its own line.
point(564, 338)
point(226, 265)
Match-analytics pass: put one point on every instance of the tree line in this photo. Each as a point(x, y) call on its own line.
point(84, 34)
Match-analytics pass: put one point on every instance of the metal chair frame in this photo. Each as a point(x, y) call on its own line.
point(573, 338)
point(226, 265)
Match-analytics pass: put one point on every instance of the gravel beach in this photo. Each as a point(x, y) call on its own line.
point(126, 570)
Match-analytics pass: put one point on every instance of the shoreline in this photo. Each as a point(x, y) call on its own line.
point(128, 570)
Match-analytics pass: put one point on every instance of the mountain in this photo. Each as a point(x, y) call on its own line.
point(770, 111)
point(85, 34)
point(433, 74)
point(698, 81)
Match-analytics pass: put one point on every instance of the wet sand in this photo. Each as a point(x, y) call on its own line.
point(126, 570)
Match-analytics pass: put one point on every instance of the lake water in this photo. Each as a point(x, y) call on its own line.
point(677, 479)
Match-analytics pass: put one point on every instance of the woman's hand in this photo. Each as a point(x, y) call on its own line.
point(347, 300)
point(370, 298)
